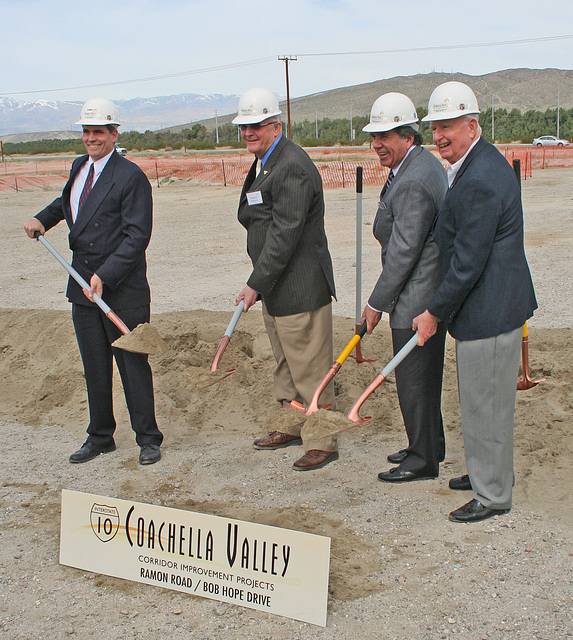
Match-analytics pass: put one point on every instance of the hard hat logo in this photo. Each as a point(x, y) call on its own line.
point(462, 106)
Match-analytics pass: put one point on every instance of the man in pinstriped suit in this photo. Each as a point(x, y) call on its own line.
point(282, 208)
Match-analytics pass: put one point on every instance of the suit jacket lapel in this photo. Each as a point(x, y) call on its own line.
point(478, 148)
point(95, 198)
point(253, 180)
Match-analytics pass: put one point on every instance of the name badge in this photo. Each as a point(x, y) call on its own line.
point(254, 197)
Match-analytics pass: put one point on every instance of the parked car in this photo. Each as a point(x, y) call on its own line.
point(121, 150)
point(550, 141)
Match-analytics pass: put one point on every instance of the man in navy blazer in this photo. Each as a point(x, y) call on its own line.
point(107, 205)
point(282, 208)
point(486, 295)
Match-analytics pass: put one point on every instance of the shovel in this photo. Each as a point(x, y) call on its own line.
point(227, 338)
point(379, 379)
point(331, 373)
point(526, 382)
point(143, 339)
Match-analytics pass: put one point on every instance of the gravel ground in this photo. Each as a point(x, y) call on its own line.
point(399, 568)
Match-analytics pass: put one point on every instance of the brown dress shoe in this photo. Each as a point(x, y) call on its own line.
point(315, 459)
point(276, 440)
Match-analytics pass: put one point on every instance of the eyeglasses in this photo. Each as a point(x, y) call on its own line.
point(256, 127)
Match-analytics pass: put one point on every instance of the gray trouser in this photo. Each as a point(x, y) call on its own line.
point(487, 379)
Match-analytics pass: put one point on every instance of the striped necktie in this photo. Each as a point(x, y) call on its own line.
point(387, 183)
point(87, 187)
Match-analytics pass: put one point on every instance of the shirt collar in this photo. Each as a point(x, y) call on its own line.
point(270, 150)
point(454, 168)
point(395, 171)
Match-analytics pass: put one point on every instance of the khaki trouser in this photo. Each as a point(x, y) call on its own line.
point(302, 346)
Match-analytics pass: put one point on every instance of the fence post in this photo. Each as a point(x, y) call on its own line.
point(342, 163)
point(224, 177)
point(16, 184)
point(156, 174)
point(517, 170)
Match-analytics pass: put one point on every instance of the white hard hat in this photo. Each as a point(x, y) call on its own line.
point(99, 111)
point(390, 111)
point(256, 105)
point(451, 100)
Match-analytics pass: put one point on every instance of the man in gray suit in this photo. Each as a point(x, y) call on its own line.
point(282, 209)
point(486, 295)
point(410, 276)
point(107, 206)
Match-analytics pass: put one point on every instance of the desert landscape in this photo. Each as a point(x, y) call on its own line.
point(399, 568)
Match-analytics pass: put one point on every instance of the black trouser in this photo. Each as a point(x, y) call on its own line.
point(95, 333)
point(419, 385)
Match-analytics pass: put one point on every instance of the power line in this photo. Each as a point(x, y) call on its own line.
point(149, 79)
point(437, 48)
point(300, 55)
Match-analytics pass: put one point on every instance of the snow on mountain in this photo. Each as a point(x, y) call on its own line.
point(140, 114)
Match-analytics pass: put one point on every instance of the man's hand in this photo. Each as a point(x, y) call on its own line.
point(249, 297)
point(32, 226)
point(96, 286)
point(372, 318)
point(426, 325)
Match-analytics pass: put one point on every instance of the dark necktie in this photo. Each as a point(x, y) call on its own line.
point(87, 187)
point(387, 183)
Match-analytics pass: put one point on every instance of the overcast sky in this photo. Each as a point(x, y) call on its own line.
point(51, 45)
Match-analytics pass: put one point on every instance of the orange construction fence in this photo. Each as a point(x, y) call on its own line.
point(232, 169)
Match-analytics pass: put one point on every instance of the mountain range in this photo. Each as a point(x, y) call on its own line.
point(521, 89)
point(140, 114)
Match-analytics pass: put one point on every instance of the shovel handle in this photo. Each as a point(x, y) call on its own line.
point(227, 335)
point(379, 379)
point(235, 318)
point(350, 346)
point(83, 283)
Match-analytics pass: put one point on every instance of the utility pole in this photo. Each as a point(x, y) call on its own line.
point(287, 59)
point(217, 126)
point(351, 125)
point(492, 123)
point(557, 112)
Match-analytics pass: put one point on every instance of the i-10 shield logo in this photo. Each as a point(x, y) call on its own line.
point(104, 521)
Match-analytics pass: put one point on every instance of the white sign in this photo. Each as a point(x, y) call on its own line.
point(276, 570)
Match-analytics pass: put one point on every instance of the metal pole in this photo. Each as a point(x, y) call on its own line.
point(358, 244)
point(217, 126)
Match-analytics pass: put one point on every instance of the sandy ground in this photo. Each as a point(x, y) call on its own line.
point(399, 568)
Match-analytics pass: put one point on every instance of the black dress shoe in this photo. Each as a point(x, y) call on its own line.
point(89, 450)
point(474, 511)
point(462, 483)
point(149, 454)
point(401, 475)
point(398, 457)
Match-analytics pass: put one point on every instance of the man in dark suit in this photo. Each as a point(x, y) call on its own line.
point(282, 209)
point(107, 205)
point(411, 273)
point(486, 295)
